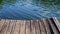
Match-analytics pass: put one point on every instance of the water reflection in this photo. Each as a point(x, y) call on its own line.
point(29, 9)
point(0, 3)
point(7, 2)
point(46, 3)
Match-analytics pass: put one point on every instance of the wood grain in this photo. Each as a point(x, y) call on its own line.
point(42, 26)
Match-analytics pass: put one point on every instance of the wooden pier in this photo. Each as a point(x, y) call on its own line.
point(42, 26)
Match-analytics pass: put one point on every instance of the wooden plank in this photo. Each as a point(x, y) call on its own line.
point(47, 26)
point(22, 27)
point(1, 24)
point(28, 27)
point(53, 27)
point(4, 27)
point(10, 27)
point(42, 27)
point(7, 23)
point(33, 31)
point(13, 27)
point(36, 24)
point(17, 27)
point(56, 22)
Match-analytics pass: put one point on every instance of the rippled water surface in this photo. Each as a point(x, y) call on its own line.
point(29, 9)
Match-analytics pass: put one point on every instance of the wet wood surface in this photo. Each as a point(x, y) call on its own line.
point(42, 26)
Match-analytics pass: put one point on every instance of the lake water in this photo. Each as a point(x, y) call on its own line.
point(29, 9)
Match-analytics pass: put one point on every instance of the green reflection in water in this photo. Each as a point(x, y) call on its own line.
point(9, 1)
point(6, 2)
point(0, 1)
point(50, 2)
point(47, 3)
point(0, 4)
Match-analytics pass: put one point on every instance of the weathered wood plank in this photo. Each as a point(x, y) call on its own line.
point(7, 23)
point(36, 24)
point(48, 30)
point(28, 27)
point(33, 31)
point(17, 27)
point(1, 24)
point(56, 22)
point(13, 27)
point(53, 27)
point(4, 27)
point(22, 28)
point(42, 27)
point(10, 27)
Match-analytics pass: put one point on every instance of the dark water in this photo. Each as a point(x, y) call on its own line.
point(29, 9)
